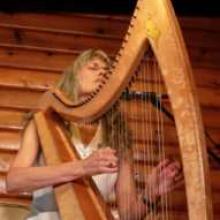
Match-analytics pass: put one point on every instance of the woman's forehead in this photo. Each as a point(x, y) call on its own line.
point(97, 62)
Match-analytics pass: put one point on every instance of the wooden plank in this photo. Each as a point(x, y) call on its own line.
point(38, 80)
point(203, 23)
point(55, 39)
point(214, 133)
point(117, 25)
point(204, 57)
point(20, 99)
point(211, 117)
point(209, 97)
point(37, 56)
point(201, 38)
point(11, 119)
point(10, 140)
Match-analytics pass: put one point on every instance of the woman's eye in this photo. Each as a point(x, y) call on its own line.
point(93, 68)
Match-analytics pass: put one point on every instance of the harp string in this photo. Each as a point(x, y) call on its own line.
point(150, 130)
point(146, 127)
point(159, 131)
point(158, 147)
point(139, 135)
point(145, 145)
point(136, 139)
point(144, 120)
point(133, 145)
point(114, 146)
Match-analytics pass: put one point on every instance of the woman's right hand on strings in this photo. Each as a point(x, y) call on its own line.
point(103, 160)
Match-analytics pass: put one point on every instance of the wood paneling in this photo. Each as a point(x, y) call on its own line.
point(10, 119)
point(37, 57)
point(84, 23)
point(36, 48)
point(201, 38)
point(10, 140)
point(19, 99)
point(23, 78)
point(19, 35)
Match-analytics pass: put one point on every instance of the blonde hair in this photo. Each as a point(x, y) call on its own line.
point(112, 122)
point(69, 82)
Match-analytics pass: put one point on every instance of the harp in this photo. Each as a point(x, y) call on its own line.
point(153, 27)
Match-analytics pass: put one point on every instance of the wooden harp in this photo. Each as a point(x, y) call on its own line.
point(153, 26)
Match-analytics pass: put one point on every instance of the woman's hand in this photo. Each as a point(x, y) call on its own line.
point(164, 178)
point(103, 160)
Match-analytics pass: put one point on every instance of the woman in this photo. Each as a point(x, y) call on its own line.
point(101, 155)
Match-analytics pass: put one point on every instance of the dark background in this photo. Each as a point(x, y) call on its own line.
point(209, 8)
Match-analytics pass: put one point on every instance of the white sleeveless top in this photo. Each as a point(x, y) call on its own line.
point(104, 182)
point(44, 205)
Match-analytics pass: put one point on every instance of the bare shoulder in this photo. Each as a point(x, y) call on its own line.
point(29, 146)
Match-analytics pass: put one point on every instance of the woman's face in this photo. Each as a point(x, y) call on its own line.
point(91, 75)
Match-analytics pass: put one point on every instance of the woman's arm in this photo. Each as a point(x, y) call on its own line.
point(130, 204)
point(22, 176)
point(163, 178)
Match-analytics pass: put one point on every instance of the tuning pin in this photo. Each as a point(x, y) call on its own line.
point(114, 64)
point(137, 8)
point(131, 25)
point(100, 86)
point(98, 89)
point(117, 57)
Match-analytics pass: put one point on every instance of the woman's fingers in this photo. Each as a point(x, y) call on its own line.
point(162, 164)
point(175, 168)
point(169, 168)
point(107, 150)
point(108, 154)
point(106, 163)
point(109, 169)
point(103, 160)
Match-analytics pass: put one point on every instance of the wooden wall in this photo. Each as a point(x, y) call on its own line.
point(35, 48)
